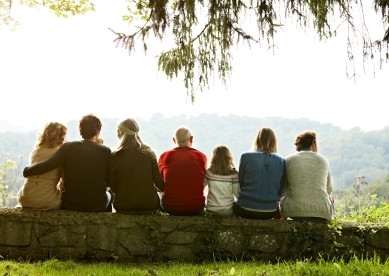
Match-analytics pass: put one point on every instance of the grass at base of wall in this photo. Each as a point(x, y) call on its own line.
point(55, 267)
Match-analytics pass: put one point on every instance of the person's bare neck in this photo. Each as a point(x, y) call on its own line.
point(184, 145)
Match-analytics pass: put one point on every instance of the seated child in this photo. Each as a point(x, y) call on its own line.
point(222, 181)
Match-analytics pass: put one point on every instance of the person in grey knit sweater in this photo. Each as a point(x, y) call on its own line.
point(308, 183)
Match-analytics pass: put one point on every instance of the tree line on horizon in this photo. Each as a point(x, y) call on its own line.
point(351, 153)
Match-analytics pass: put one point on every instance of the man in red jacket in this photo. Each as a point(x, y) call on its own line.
point(183, 169)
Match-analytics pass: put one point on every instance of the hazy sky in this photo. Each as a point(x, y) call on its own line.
point(58, 69)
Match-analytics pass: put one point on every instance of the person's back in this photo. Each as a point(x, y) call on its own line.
point(222, 191)
point(308, 171)
point(40, 192)
point(308, 183)
point(182, 170)
point(85, 168)
point(222, 181)
point(261, 178)
point(133, 173)
point(85, 165)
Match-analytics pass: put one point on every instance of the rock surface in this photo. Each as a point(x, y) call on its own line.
point(39, 235)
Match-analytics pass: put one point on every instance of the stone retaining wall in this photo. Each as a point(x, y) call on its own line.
point(38, 235)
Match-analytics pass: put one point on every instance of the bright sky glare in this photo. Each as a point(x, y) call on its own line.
point(61, 69)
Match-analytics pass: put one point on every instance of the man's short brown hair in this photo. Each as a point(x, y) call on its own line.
point(305, 139)
point(89, 126)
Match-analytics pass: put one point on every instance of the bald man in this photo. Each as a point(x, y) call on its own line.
point(183, 169)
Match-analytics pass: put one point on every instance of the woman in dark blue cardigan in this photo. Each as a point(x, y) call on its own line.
point(261, 178)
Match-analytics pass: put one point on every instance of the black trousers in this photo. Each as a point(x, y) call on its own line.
point(252, 214)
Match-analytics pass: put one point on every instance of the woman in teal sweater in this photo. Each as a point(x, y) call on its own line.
point(261, 178)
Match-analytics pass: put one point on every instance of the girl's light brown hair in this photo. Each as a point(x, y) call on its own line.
point(222, 161)
point(265, 140)
point(52, 135)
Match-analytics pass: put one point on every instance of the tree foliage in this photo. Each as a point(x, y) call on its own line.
point(61, 8)
point(204, 32)
point(9, 180)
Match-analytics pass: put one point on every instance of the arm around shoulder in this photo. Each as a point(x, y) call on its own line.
point(47, 165)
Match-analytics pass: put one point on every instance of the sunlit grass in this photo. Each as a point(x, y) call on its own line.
point(55, 267)
point(370, 213)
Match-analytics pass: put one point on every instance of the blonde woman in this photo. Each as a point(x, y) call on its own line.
point(40, 192)
point(261, 178)
point(222, 180)
point(133, 173)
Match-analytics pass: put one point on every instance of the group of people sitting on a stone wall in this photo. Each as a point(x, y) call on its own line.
point(87, 176)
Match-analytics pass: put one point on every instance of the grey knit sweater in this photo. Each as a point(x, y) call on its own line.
point(308, 186)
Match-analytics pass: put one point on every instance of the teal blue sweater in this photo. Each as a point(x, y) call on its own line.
point(261, 179)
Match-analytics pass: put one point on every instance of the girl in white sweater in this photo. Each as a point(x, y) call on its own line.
point(222, 181)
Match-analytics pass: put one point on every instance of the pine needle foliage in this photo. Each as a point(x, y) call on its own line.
point(205, 31)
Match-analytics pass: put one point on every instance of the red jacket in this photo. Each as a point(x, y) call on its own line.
point(183, 170)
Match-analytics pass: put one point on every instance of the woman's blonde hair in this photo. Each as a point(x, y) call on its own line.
point(222, 161)
point(265, 140)
point(52, 135)
point(130, 129)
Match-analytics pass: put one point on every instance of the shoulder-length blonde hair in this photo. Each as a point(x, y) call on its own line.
point(222, 161)
point(265, 140)
point(52, 135)
point(130, 129)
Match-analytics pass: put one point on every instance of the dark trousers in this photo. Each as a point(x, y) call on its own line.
point(177, 213)
point(252, 214)
point(308, 219)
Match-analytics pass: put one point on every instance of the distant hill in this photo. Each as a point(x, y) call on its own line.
point(351, 153)
point(6, 126)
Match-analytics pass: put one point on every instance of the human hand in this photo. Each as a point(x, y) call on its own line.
point(332, 198)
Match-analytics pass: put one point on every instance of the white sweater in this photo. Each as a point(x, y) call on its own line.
point(221, 192)
point(308, 186)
